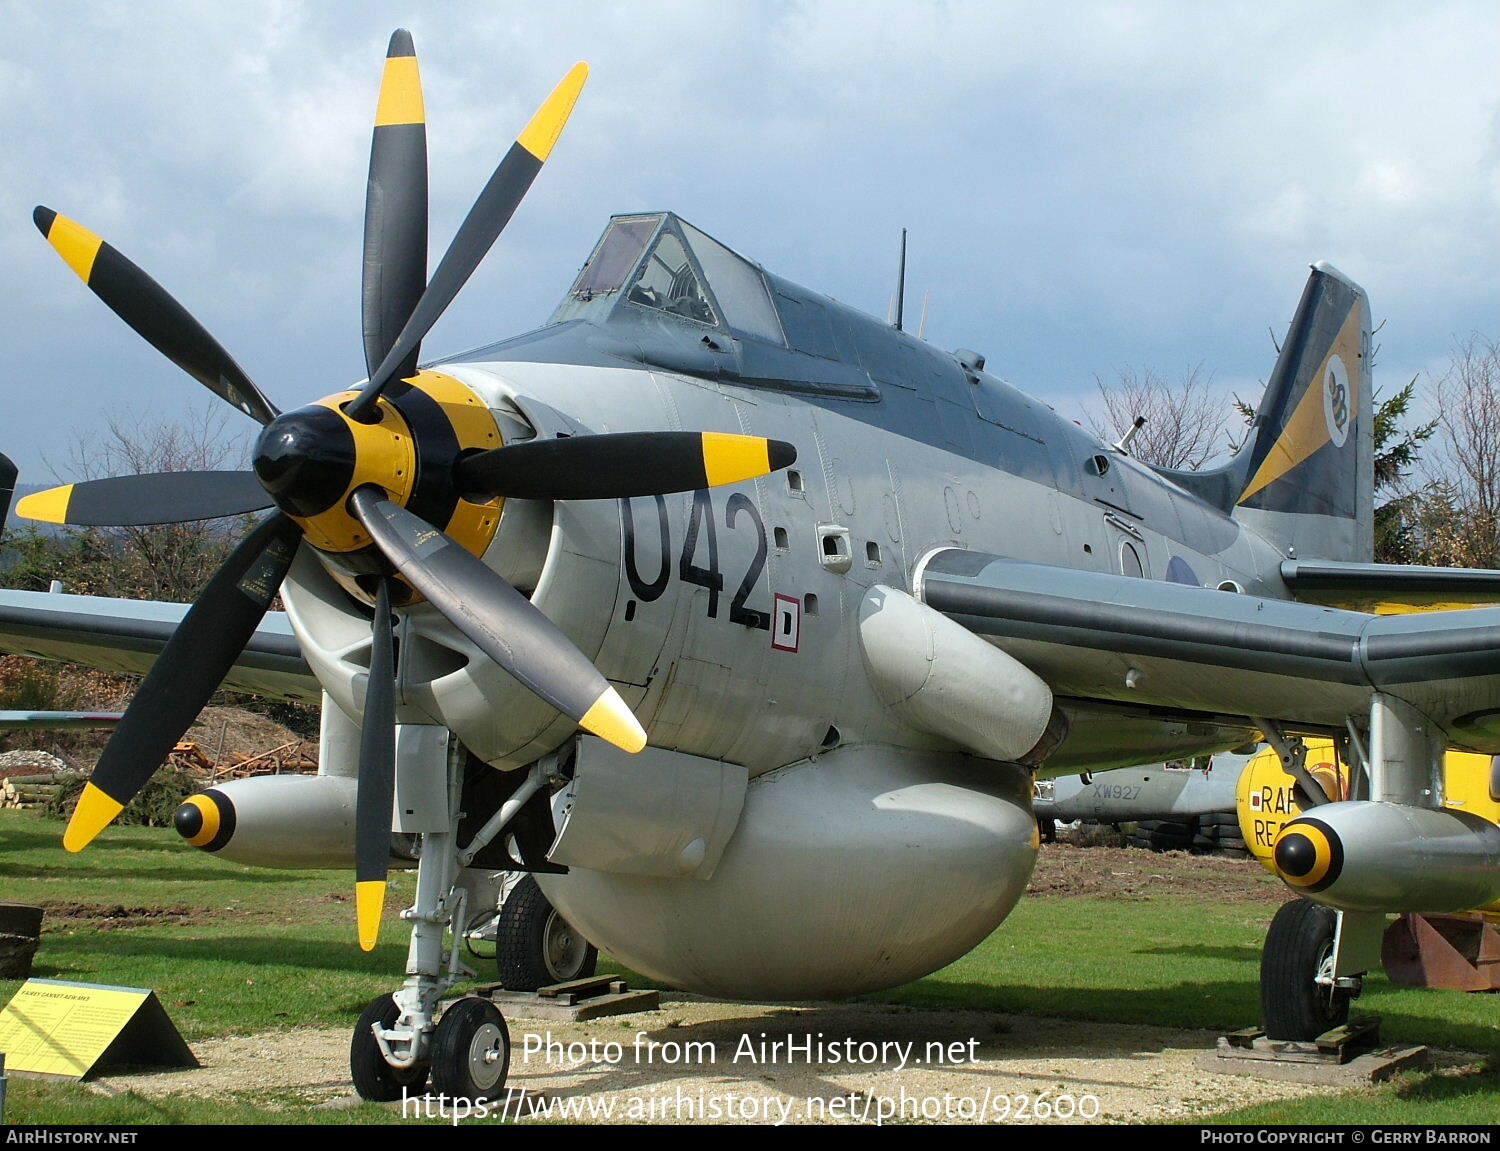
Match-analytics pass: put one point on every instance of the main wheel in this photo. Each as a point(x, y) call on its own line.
point(1293, 1005)
point(374, 1078)
point(535, 946)
point(471, 1051)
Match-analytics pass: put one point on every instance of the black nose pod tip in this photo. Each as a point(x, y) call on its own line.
point(205, 820)
point(305, 459)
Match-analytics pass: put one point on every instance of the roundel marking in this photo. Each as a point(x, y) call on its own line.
point(1338, 402)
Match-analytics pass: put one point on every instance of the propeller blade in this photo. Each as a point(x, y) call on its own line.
point(186, 673)
point(395, 265)
point(477, 234)
point(621, 464)
point(148, 308)
point(499, 620)
point(153, 498)
point(377, 776)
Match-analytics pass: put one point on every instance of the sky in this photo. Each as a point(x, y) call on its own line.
point(1087, 185)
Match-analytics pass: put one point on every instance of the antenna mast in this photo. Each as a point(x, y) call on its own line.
point(901, 283)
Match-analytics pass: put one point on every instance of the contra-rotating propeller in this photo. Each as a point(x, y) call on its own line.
point(347, 473)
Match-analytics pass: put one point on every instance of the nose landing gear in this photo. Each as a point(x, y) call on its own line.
point(401, 1043)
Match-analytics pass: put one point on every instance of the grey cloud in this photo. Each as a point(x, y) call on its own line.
point(1087, 185)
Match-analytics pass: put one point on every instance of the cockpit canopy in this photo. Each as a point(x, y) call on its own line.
point(662, 263)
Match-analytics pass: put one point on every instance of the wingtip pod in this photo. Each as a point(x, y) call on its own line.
point(96, 810)
point(48, 507)
point(369, 905)
point(540, 136)
point(611, 719)
point(73, 242)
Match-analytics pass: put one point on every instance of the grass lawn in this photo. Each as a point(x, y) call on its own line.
point(232, 949)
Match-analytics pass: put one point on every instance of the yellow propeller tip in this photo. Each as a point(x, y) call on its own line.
point(369, 905)
point(539, 136)
point(48, 507)
point(729, 457)
point(610, 718)
point(78, 247)
point(95, 812)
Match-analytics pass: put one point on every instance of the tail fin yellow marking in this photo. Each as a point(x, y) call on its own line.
point(540, 136)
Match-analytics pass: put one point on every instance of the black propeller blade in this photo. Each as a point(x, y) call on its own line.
point(150, 309)
point(377, 776)
point(477, 234)
point(620, 464)
point(395, 264)
point(499, 620)
point(152, 498)
point(186, 673)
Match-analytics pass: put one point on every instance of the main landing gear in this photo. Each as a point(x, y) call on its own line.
point(401, 1045)
point(1300, 998)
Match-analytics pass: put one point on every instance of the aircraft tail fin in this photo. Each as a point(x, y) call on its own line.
point(1305, 477)
point(8, 475)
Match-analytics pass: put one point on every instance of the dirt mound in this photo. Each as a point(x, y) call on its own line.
point(112, 916)
point(1067, 870)
point(225, 733)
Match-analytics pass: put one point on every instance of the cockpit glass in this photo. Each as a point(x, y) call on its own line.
point(614, 256)
point(667, 281)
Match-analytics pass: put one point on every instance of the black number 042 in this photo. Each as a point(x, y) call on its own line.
point(700, 524)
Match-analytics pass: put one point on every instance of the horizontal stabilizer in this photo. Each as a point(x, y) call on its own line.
point(1387, 589)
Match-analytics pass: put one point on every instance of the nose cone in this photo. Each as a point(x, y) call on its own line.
point(1308, 854)
point(306, 458)
point(205, 820)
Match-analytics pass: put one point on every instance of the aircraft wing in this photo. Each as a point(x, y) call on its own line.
point(1100, 636)
point(56, 720)
point(1390, 588)
point(126, 635)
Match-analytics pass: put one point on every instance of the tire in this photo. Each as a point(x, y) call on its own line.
point(471, 1051)
point(535, 946)
point(374, 1078)
point(1292, 1004)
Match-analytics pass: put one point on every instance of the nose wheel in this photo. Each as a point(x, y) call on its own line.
point(471, 1051)
point(374, 1078)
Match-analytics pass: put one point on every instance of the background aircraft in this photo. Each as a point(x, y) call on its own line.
point(822, 598)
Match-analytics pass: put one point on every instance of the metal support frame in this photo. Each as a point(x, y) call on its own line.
point(1357, 937)
point(1293, 753)
point(539, 775)
point(1406, 754)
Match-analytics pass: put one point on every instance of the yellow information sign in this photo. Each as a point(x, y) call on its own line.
point(66, 1030)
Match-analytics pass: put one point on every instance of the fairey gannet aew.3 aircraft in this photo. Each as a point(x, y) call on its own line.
point(745, 620)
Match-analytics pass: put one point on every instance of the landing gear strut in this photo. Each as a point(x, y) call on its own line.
point(400, 1042)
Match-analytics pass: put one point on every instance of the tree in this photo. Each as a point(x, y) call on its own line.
point(1396, 454)
point(164, 562)
point(1454, 517)
point(1186, 419)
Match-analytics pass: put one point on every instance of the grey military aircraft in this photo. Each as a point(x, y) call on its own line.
point(745, 620)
